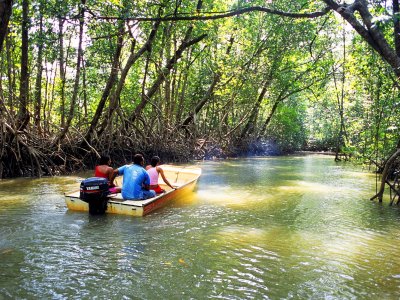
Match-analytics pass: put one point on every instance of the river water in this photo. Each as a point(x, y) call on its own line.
point(296, 227)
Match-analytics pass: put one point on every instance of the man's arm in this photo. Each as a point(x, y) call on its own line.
point(112, 175)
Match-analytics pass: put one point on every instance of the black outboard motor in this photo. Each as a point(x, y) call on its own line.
point(94, 190)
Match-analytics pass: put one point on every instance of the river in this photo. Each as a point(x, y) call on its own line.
point(295, 227)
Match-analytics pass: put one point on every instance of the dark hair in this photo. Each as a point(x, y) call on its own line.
point(138, 159)
point(154, 161)
point(104, 159)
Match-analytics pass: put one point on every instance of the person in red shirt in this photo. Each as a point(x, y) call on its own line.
point(104, 170)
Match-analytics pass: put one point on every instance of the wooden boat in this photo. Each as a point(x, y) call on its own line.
point(183, 178)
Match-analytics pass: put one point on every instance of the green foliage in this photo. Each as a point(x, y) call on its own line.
point(298, 63)
point(288, 129)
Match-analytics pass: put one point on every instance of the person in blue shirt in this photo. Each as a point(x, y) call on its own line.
point(136, 181)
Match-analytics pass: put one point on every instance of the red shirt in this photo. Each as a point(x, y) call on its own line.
point(98, 173)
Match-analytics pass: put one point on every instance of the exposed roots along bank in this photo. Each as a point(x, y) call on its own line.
point(30, 154)
point(33, 154)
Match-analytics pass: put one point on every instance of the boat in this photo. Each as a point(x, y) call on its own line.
point(183, 178)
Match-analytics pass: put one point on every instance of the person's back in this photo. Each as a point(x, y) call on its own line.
point(136, 181)
point(104, 170)
point(134, 176)
point(154, 170)
point(153, 173)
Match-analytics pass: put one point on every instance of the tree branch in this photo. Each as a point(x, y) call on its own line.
point(221, 15)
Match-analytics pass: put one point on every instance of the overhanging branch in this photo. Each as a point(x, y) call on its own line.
point(219, 15)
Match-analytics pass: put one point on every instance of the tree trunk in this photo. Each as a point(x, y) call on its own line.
point(251, 123)
point(10, 74)
point(62, 68)
point(167, 81)
point(385, 174)
point(202, 102)
point(46, 100)
point(23, 114)
point(51, 100)
point(207, 96)
point(133, 57)
point(65, 129)
point(165, 72)
point(284, 94)
point(367, 30)
point(85, 102)
point(181, 96)
point(271, 114)
point(109, 85)
point(341, 142)
point(5, 14)
point(396, 27)
point(38, 84)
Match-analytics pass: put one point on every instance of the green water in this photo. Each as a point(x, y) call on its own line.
point(269, 228)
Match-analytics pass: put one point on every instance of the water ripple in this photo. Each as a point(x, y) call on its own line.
point(297, 228)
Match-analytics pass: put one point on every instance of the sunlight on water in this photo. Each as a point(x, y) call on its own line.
point(296, 227)
point(230, 197)
point(299, 186)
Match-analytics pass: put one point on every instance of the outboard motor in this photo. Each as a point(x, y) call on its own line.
point(94, 191)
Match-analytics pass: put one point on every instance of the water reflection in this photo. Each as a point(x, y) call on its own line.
point(288, 227)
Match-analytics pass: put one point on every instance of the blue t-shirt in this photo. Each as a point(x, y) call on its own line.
point(134, 178)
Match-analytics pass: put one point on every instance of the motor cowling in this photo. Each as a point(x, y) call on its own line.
point(94, 191)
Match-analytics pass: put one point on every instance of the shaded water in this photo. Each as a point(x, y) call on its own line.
point(267, 228)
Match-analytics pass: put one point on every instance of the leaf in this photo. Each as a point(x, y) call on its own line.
point(116, 2)
point(181, 261)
